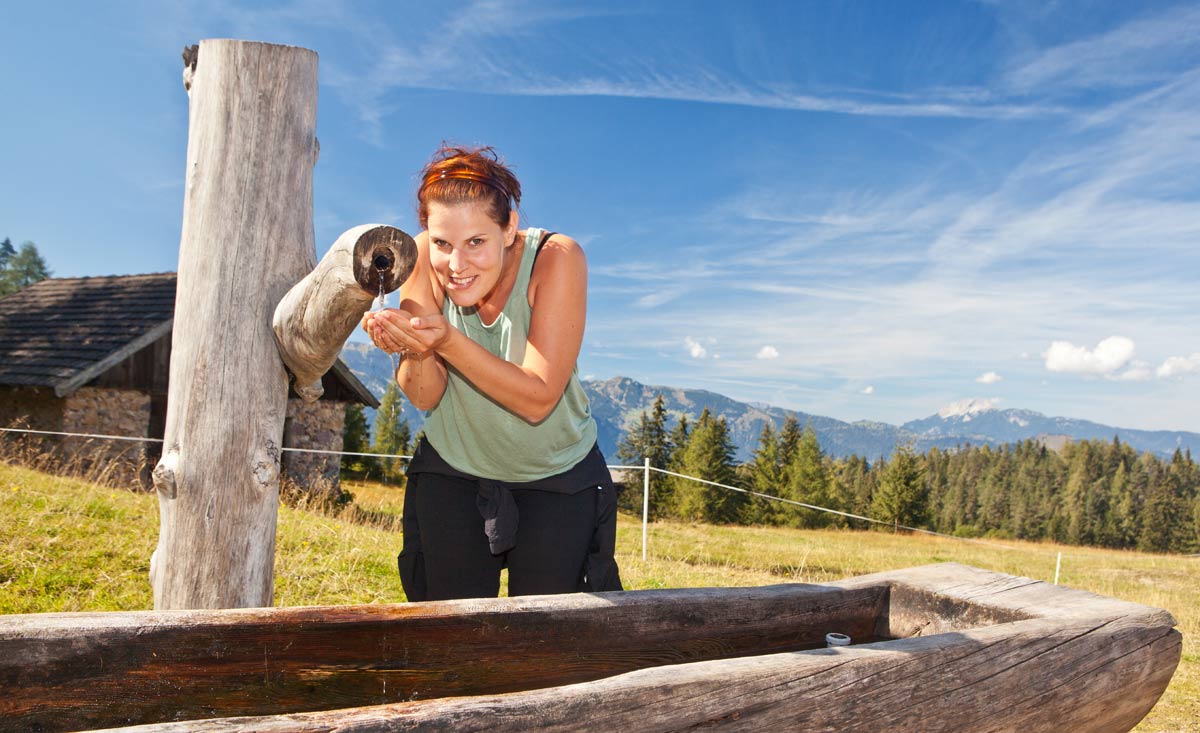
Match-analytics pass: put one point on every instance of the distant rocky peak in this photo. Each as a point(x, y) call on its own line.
point(966, 409)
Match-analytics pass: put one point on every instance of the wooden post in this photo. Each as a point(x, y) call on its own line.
point(247, 238)
point(645, 505)
point(319, 313)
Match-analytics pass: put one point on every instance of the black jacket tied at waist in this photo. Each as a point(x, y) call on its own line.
point(500, 516)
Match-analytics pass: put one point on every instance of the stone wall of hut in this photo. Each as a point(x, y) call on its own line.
point(126, 412)
point(101, 411)
point(314, 425)
point(31, 408)
point(91, 411)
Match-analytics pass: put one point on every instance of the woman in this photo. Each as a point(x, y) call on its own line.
point(490, 326)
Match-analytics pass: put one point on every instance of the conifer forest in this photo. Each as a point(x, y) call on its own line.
point(1100, 493)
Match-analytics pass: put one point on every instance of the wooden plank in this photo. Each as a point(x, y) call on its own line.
point(66, 671)
point(648, 661)
point(859, 689)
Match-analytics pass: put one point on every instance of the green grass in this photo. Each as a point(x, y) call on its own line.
point(68, 545)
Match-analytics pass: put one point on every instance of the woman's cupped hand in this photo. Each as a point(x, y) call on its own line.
point(398, 331)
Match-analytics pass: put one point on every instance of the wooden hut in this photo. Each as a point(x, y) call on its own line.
point(90, 355)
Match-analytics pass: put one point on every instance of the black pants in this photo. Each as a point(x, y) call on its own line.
point(446, 552)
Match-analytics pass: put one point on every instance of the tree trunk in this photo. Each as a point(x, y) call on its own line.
point(319, 313)
point(247, 237)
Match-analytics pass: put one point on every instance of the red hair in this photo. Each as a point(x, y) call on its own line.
point(460, 175)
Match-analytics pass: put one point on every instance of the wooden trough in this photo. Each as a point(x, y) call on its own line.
point(952, 648)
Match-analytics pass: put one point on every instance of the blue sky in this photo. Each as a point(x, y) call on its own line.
point(867, 210)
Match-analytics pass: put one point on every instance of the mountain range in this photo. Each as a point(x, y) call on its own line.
point(617, 403)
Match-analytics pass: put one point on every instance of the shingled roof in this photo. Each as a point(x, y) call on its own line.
point(64, 332)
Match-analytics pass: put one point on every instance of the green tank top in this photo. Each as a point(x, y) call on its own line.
point(476, 435)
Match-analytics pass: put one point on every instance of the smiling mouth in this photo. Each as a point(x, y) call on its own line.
point(461, 283)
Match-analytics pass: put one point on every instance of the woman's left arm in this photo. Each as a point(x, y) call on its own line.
point(558, 298)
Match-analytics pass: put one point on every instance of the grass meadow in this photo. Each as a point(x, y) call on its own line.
point(70, 545)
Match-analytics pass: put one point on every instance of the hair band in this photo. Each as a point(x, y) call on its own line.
point(466, 174)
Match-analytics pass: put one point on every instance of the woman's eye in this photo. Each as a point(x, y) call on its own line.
point(477, 241)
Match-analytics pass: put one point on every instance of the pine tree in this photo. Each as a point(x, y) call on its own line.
point(648, 439)
point(679, 439)
point(665, 494)
point(392, 433)
point(1162, 520)
point(808, 482)
point(6, 253)
point(355, 440)
point(902, 497)
point(709, 455)
point(766, 477)
point(22, 268)
point(860, 479)
point(789, 440)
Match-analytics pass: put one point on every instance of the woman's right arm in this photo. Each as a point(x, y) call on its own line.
point(421, 376)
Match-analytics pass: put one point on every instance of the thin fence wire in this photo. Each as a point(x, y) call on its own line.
point(664, 471)
point(81, 435)
point(159, 440)
point(827, 510)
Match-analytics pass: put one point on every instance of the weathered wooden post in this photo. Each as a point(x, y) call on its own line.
point(247, 238)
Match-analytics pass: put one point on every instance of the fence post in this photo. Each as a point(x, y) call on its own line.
point(645, 505)
point(1057, 567)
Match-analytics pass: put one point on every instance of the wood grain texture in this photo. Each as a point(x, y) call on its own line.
point(318, 314)
point(1010, 654)
point(247, 237)
point(75, 668)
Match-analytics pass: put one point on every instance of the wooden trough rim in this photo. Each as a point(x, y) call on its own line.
point(998, 592)
point(1026, 622)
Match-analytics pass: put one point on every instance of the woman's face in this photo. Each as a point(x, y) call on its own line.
point(467, 250)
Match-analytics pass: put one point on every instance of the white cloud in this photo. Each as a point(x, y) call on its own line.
point(1109, 356)
point(1138, 371)
point(695, 348)
point(767, 352)
point(1177, 366)
point(988, 378)
point(869, 389)
point(658, 297)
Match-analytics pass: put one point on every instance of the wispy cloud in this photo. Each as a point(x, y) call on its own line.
point(470, 49)
point(1145, 50)
point(989, 378)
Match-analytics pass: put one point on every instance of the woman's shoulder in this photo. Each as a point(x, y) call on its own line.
point(560, 263)
point(559, 248)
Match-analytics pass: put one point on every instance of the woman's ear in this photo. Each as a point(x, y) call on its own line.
point(510, 231)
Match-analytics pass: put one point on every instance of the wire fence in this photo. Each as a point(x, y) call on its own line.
point(646, 469)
